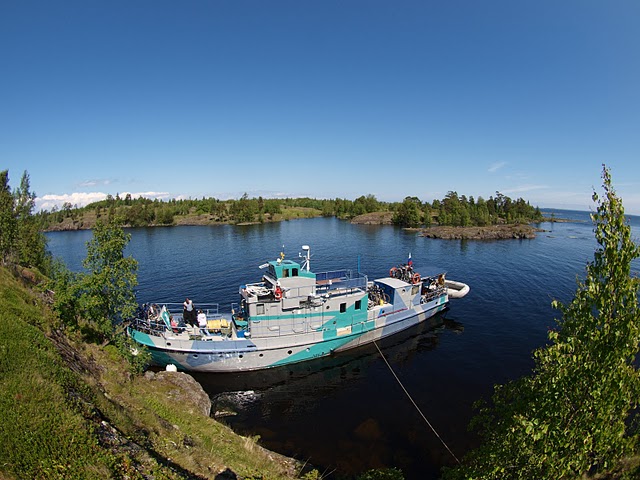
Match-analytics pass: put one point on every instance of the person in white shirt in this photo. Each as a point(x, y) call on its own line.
point(202, 322)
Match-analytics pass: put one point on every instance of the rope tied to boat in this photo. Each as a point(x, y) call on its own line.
point(415, 404)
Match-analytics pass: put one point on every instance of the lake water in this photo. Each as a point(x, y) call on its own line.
point(347, 413)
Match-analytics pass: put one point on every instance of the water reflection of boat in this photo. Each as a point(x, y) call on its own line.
point(338, 412)
point(233, 393)
point(294, 315)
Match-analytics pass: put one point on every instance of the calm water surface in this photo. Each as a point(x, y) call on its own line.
point(347, 413)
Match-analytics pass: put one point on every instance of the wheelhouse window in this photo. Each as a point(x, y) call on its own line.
point(343, 307)
point(358, 304)
point(260, 309)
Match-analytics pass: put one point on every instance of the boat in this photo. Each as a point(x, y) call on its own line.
point(290, 316)
point(456, 289)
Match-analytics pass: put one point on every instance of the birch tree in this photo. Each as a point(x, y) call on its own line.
point(572, 415)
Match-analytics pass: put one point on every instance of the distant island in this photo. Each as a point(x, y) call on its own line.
point(491, 232)
point(488, 232)
point(464, 217)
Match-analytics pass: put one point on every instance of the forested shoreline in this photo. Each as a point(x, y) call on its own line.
point(452, 210)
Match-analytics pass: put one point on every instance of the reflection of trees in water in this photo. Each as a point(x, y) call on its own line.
point(341, 411)
point(329, 372)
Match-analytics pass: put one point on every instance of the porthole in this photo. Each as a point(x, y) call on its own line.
point(168, 344)
point(261, 355)
point(195, 356)
point(289, 352)
point(240, 356)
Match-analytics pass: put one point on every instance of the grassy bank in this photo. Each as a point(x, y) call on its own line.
point(70, 410)
point(44, 432)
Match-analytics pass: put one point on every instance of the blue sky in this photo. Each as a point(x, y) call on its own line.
point(323, 99)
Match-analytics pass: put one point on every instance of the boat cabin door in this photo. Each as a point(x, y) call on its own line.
point(300, 320)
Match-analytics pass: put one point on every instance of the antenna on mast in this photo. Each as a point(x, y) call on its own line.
point(307, 257)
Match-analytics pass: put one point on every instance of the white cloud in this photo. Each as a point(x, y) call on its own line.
point(151, 195)
point(80, 199)
point(47, 202)
point(94, 182)
point(524, 188)
point(494, 167)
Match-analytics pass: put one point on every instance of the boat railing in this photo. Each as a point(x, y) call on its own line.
point(333, 275)
point(152, 326)
point(176, 309)
point(149, 315)
point(338, 280)
point(149, 320)
point(433, 291)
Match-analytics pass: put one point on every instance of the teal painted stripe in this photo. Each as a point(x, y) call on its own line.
point(316, 351)
point(158, 356)
point(350, 317)
point(141, 337)
point(263, 318)
point(163, 359)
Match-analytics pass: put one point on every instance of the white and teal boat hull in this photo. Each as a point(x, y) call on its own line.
point(291, 316)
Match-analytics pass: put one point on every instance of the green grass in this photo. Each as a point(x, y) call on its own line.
point(291, 213)
point(50, 415)
point(43, 435)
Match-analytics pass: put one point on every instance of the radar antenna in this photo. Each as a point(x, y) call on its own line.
point(306, 265)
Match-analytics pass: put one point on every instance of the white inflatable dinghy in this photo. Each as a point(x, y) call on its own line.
point(456, 289)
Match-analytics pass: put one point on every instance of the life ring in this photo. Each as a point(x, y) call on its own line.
point(392, 272)
point(416, 278)
point(278, 293)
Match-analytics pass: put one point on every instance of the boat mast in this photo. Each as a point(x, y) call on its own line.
point(307, 258)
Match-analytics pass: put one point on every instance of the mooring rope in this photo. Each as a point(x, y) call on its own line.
point(414, 403)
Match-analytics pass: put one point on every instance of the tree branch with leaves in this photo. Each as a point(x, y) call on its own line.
point(108, 295)
point(571, 416)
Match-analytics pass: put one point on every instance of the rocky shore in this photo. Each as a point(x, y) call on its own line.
point(374, 218)
point(491, 232)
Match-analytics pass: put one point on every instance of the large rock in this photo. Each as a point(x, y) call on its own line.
point(374, 218)
point(188, 393)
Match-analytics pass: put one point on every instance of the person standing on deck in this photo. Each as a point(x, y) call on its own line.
point(202, 322)
point(189, 312)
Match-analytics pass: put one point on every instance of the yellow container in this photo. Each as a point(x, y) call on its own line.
point(217, 324)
